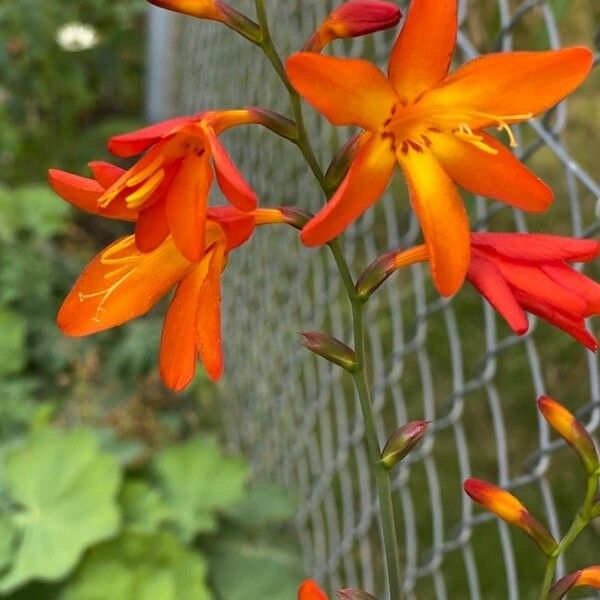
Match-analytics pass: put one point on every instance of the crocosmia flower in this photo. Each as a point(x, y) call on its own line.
point(169, 186)
point(122, 283)
point(352, 19)
point(432, 124)
point(518, 272)
point(309, 590)
point(590, 576)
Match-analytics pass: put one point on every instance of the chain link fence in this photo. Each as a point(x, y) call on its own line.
point(452, 362)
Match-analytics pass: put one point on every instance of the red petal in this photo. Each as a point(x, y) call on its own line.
point(537, 246)
point(152, 228)
point(309, 590)
point(130, 144)
point(84, 193)
point(208, 317)
point(500, 176)
point(365, 182)
point(105, 173)
point(423, 51)
point(488, 281)
point(237, 225)
point(186, 205)
point(230, 180)
point(577, 282)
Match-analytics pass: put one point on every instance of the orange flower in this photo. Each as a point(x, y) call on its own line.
point(203, 9)
point(122, 283)
point(509, 509)
point(309, 590)
point(590, 576)
point(431, 124)
point(167, 189)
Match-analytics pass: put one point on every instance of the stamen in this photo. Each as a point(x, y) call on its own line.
point(142, 194)
point(145, 171)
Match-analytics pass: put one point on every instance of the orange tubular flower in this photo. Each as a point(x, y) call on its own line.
point(431, 124)
point(518, 272)
point(309, 590)
point(122, 283)
point(168, 188)
point(509, 509)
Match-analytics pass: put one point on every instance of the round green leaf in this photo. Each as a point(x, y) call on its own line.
point(197, 481)
point(139, 567)
point(65, 490)
point(143, 508)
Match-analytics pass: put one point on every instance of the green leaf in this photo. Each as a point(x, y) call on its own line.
point(13, 330)
point(263, 504)
point(241, 571)
point(197, 480)
point(66, 491)
point(143, 508)
point(138, 567)
point(8, 537)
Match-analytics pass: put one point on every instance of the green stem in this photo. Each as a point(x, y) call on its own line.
point(582, 519)
point(382, 477)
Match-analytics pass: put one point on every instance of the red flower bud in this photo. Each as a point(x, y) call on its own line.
point(504, 505)
point(352, 19)
point(329, 348)
point(402, 442)
point(569, 428)
point(309, 590)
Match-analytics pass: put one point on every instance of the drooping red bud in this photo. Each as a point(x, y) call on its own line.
point(352, 19)
point(309, 590)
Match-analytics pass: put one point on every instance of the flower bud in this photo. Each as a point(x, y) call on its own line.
point(342, 160)
point(571, 430)
point(296, 217)
point(354, 595)
point(352, 19)
point(589, 576)
point(402, 442)
point(509, 509)
point(215, 10)
point(274, 121)
point(329, 348)
point(309, 590)
point(381, 268)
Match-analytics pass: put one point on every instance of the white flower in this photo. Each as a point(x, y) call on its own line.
point(75, 37)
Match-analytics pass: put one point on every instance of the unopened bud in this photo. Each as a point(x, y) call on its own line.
point(215, 10)
point(402, 442)
point(309, 590)
point(296, 217)
point(329, 348)
point(342, 160)
point(381, 268)
point(504, 505)
point(571, 430)
point(352, 19)
point(590, 576)
point(275, 122)
point(354, 595)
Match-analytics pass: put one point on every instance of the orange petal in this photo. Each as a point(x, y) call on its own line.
point(152, 228)
point(500, 176)
point(237, 225)
point(423, 51)
point(130, 144)
point(509, 84)
point(230, 180)
point(84, 193)
point(177, 359)
point(208, 316)
point(363, 185)
point(347, 91)
point(442, 216)
point(309, 590)
point(105, 173)
point(186, 205)
point(120, 284)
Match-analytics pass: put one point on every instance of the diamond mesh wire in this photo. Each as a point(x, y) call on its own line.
point(452, 362)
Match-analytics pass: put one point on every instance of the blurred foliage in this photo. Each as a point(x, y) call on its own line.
point(48, 93)
point(78, 523)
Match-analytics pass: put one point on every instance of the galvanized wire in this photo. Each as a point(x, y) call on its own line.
point(452, 362)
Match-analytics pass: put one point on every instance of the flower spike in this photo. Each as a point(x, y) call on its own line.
point(432, 125)
point(353, 19)
point(509, 509)
point(571, 430)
